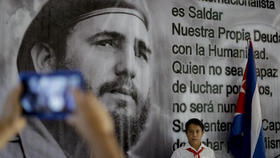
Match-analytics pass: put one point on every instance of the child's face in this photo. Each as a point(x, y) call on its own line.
point(194, 134)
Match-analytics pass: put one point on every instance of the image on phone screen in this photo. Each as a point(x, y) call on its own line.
point(50, 95)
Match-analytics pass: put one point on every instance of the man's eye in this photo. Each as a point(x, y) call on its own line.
point(141, 54)
point(141, 51)
point(106, 43)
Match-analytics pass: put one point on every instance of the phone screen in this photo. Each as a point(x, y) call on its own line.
point(50, 96)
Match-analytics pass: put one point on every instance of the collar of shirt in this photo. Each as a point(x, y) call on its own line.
point(189, 146)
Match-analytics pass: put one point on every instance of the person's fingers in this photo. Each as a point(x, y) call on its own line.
point(91, 112)
point(78, 94)
point(78, 116)
point(11, 122)
point(72, 120)
point(16, 94)
point(10, 129)
point(94, 123)
point(19, 124)
point(98, 114)
point(12, 104)
point(79, 98)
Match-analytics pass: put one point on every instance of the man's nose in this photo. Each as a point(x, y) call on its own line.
point(126, 63)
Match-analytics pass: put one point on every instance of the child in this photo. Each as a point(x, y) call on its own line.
point(194, 148)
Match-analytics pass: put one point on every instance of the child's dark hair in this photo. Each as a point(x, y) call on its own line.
point(194, 121)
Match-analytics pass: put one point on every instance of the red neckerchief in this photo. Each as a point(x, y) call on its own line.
point(194, 152)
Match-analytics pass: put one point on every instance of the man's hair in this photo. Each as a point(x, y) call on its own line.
point(54, 21)
point(194, 121)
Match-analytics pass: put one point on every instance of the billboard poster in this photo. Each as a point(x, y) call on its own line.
point(154, 64)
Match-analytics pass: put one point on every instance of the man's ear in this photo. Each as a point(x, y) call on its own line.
point(43, 57)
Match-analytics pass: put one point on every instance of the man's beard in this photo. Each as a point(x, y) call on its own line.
point(128, 129)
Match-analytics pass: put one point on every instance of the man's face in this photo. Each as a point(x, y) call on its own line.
point(194, 134)
point(113, 53)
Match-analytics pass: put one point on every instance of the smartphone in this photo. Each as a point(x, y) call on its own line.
point(50, 95)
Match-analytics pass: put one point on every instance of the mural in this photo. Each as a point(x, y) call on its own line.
point(154, 64)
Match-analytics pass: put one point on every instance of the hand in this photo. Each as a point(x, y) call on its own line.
point(95, 124)
point(11, 121)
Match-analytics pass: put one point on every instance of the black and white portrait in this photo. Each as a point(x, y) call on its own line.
point(109, 42)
